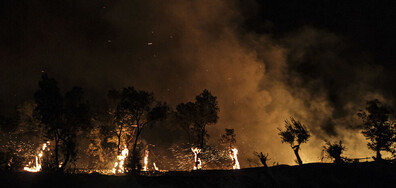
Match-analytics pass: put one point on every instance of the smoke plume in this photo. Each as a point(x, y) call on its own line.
point(178, 48)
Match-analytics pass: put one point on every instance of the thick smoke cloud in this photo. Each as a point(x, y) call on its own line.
point(178, 48)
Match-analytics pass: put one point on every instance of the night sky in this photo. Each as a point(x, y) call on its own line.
point(318, 61)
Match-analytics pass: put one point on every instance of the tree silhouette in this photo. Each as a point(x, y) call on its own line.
point(377, 128)
point(122, 128)
point(263, 158)
point(76, 117)
point(207, 109)
point(185, 117)
point(295, 134)
point(334, 151)
point(62, 118)
point(139, 109)
point(194, 117)
point(49, 110)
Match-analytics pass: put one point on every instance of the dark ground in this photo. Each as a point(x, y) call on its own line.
point(309, 175)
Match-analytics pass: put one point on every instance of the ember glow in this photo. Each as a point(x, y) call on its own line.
point(234, 157)
point(197, 159)
point(119, 164)
point(36, 165)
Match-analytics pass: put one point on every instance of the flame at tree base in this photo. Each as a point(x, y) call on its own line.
point(234, 157)
point(119, 164)
point(38, 161)
point(36, 164)
point(146, 155)
point(197, 160)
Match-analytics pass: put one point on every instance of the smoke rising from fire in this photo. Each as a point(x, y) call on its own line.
point(178, 48)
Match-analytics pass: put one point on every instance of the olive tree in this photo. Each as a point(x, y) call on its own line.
point(295, 134)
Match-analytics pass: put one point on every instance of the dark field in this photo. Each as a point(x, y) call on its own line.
point(309, 175)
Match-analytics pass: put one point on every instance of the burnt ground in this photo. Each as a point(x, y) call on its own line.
point(309, 175)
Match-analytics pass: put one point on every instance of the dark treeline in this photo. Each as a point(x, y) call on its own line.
point(70, 135)
point(78, 136)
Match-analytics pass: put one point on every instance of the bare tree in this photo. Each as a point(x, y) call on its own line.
point(295, 134)
point(263, 158)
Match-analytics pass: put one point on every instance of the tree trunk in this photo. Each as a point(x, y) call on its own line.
point(338, 160)
point(119, 141)
point(379, 157)
point(202, 138)
point(67, 158)
point(56, 149)
point(265, 164)
point(118, 147)
point(295, 149)
point(134, 158)
point(135, 143)
point(263, 159)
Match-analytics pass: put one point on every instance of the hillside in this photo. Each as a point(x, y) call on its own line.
point(309, 175)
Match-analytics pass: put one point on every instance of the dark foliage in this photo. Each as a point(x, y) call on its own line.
point(62, 118)
point(295, 134)
point(334, 151)
point(377, 127)
point(138, 109)
point(194, 117)
point(133, 164)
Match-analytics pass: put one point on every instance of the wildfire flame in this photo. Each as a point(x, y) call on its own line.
point(146, 154)
point(155, 167)
point(119, 164)
point(197, 160)
point(234, 157)
point(36, 164)
point(38, 160)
